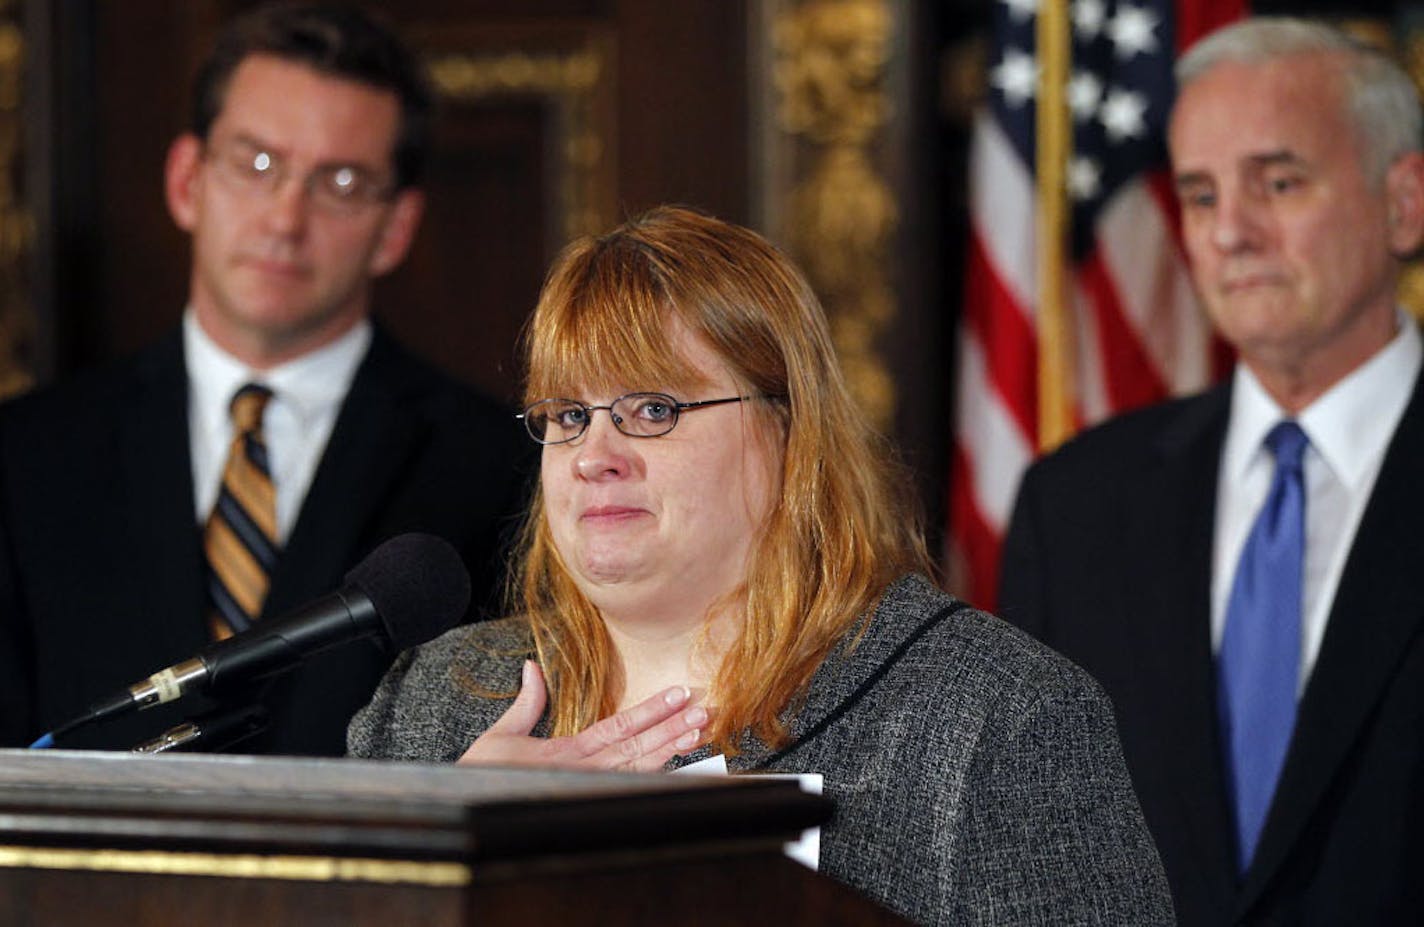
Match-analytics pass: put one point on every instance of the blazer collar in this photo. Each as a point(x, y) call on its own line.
point(909, 608)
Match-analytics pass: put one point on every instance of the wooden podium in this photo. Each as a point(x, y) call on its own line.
point(113, 838)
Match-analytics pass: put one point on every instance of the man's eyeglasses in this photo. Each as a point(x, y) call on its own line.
point(334, 188)
point(638, 415)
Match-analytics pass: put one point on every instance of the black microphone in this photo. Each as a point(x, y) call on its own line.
point(407, 591)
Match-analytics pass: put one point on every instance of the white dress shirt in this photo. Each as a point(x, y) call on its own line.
point(306, 395)
point(1349, 427)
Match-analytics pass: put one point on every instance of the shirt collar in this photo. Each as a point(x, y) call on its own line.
point(306, 385)
point(1348, 425)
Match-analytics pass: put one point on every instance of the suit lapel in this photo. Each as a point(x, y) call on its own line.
point(370, 441)
point(154, 456)
point(1168, 540)
point(1378, 607)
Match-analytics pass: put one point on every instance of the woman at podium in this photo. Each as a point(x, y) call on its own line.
point(721, 559)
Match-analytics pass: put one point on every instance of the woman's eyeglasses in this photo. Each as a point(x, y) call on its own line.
point(638, 415)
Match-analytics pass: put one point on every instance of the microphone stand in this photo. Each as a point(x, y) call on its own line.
point(212, 731)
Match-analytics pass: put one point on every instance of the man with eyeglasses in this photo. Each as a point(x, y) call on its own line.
point(241, 466)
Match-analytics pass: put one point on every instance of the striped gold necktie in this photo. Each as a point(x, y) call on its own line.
point(240, 538)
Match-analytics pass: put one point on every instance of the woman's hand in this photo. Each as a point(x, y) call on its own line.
point(641, 738)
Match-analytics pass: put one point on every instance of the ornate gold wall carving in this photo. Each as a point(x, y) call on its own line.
point(830, 72)
point(16, 223)
point(577, 84)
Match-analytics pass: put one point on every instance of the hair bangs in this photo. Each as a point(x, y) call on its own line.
point(602, 328)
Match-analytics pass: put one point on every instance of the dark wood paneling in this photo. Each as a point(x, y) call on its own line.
point(683, 103)
point(462, 295)
point(144, 53)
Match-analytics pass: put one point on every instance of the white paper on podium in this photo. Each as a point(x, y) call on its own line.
point(807, 850)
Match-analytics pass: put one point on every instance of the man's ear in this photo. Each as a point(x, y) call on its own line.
point(398, 232)
point(1404, 186)
point(180, 180)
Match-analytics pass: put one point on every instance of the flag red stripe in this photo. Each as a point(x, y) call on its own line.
point(1195, 18)
point(975, 540)
point(1131, 377)
point(995, 319)
point(1163, 188)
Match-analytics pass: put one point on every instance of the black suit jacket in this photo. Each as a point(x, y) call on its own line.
point(1109, 560)
point(101, 570)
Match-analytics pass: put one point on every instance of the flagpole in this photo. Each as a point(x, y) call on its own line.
point(1054, 141)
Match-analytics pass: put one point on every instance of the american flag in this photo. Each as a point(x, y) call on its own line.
point(1132, 318)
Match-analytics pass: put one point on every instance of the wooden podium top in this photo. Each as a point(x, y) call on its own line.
point(381, 808)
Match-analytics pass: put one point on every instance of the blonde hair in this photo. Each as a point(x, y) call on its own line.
point(842, 528)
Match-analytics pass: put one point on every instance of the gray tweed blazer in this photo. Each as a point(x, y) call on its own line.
point(977, 775)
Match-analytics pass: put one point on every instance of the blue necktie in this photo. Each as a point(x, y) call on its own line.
point(1258, 667)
